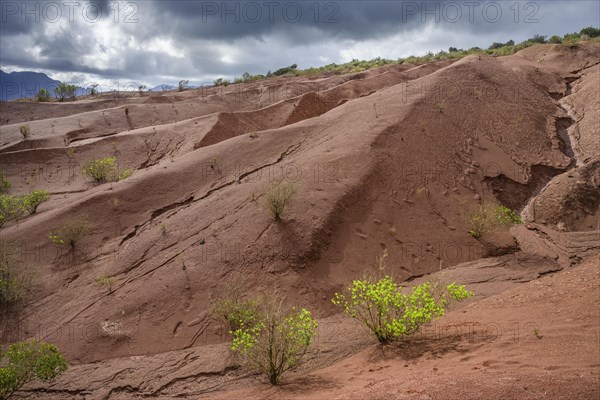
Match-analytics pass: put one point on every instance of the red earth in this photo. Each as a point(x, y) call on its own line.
point(392, 159)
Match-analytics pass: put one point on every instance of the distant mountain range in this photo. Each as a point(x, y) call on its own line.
point(17, 85)
point(27, 84)
point(162, 88)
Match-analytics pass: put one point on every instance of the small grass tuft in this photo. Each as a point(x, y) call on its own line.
point(278, 196)
point(25, 131)
point(106, 281)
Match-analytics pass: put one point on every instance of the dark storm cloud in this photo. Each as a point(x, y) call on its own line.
point(203, 39)
point(359, 20)
point(229, 20)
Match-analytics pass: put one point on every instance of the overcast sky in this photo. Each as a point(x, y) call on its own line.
point(154, 42)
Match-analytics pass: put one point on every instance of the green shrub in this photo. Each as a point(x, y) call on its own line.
point(101, 170)
point(183, 85)
point(276, 341)
point(285, 70)
point(537, 39)
point(43, 95)
point(106, 281)
point(70, 233)
point(31, 201)
point(14, 282)
point(222, 82)
point(489, 216)
point(386, 311)
point(234, 307)
point(506, 216)
point(10, 208)
point(590, 31)
point(278, 196)
point(65, 91)
point(4, 184)
point(24, 362)
point(25, 131)
point(126, 173)
point(555, 39)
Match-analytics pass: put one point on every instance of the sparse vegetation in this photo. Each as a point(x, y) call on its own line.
point(126, 173)
point(247, 77)
point(43, 95)
point(70, 233)
point(101, 170)
point(115, 329)
point(141, 89)
point(163, 228)
point(65, 91)
point(506, 216)
point(25, 131)
point(441, 106)
point(555, 39)
point(590, 31)
point(234, 307)
point(114, 202)
point(213, 163)
point(276, 340)
point(105, 281)
point(221, 82)
point(183, 85)
point(286, 70)
point(31, 201)
point(496, 49)
point(278, 196)
point(4, 184)
point(24, 362)
point(270, 337)
point(14, 282)
point(489, 216)
point(10, 208)
point(382, 307)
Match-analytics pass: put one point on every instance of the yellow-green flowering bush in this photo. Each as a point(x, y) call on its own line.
point(276, 340)
point(31, 201)
point(14, 281)
point(237, 312)
point(490, 215)
point(10, 208)
point(101, 170)
point(4, 184)
point(24, 362)
point(234, 306)
point(126, 173)
point(506, 216)
point(389, 313)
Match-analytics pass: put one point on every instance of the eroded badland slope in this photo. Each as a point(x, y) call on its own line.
point(391, 159)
